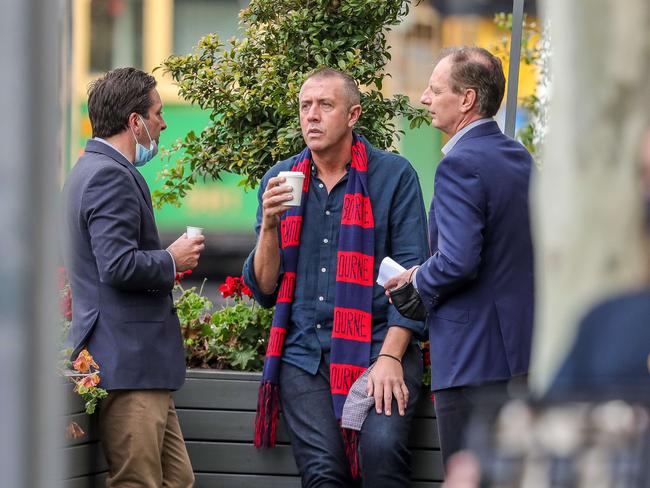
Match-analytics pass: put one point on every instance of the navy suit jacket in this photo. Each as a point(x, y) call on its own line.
point(121, 278)
point(478, 284)
point(610, 357)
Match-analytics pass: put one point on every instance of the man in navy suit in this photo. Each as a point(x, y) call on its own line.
point(121, 278)
point(477, 286)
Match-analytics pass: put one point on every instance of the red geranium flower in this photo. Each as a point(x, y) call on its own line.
point(180, 276)
point(234, 286)
point(246, 291)
point(65, 304)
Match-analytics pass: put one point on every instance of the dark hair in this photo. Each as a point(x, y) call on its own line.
point(349, 85)
point(115, 96)
point(480, 70)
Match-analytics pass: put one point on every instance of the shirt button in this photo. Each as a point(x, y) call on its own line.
point(327, 212)
point(318, 326)
point(325, 240)
point(323, 270)
point(320, 185)
point(320, 299)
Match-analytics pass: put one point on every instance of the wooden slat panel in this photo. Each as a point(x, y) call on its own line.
point(425, 405)
point(222, 425)
point(223, 374)
point(424, 434)
point(83, 460)
point(73, 402)
point(233, 426)
point(220, 480)
point(218, 390)
point(87, 422)
point(426, 465)
point(92, 481)
point(223, 457)
point(217, 394)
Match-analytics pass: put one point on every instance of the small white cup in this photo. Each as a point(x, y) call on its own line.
point(295, 180)
point(194, 231)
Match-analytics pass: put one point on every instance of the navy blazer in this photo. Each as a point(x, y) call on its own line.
point(610, 357)
point(478, 284)
point(121, 278)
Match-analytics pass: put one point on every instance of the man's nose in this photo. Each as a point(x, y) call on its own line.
point(314, 113)
point(425, 99)
point(164, 124)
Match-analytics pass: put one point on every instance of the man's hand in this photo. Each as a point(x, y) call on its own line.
point(400, 279)
point(385, 381)
point(273, 202)
point(186, 252)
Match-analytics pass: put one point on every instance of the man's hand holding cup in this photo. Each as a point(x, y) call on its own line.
point(282, 192)
point(187, 249)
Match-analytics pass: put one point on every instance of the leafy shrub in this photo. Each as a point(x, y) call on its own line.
point(251, 88)
point(232, 337)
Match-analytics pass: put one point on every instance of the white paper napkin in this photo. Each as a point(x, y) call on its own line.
point(387, 269)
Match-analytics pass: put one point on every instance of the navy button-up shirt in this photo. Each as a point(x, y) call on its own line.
point(400, 232)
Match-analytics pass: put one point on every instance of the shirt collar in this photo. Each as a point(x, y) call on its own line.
point(111, 145)
point(314, 170)
point(456, 137)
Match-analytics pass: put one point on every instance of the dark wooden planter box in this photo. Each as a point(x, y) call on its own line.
point(216, 410)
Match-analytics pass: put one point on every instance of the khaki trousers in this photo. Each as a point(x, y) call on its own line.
point(142, 441)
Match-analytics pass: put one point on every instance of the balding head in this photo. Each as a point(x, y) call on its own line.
point(349, 85)
point(477, 69)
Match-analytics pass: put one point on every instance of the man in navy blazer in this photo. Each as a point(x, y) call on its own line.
point(121, 278)
point(477, 286)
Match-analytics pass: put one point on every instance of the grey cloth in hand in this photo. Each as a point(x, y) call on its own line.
point(358, 403)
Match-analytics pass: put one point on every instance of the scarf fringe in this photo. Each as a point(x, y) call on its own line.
point(266, 419)
point(351, 443)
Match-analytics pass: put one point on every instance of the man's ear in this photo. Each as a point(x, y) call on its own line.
point(133, 119)
point(355, 113)
point(468, 101)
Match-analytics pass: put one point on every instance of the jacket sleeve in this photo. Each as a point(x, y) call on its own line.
point(408, 239)
point(459, 204)
point(112, 214)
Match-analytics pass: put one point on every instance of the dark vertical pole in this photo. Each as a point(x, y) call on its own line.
point(513, 72)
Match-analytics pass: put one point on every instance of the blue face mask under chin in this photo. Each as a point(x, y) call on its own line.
point(142, 154)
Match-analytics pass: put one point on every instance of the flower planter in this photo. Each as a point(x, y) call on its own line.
point(216, 411)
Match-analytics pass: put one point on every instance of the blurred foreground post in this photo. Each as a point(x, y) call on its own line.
point(588, 221)
point(30, 424)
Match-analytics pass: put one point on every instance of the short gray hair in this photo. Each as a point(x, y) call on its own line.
point(349, 84)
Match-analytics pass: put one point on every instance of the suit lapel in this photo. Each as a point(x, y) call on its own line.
point(105, 149)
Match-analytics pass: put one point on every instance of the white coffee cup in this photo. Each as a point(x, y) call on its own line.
point(194, 231)
point(295, 180)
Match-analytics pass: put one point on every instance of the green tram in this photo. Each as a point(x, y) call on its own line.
point(104, 34)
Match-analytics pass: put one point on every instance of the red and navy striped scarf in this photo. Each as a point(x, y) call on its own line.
point(351, 332)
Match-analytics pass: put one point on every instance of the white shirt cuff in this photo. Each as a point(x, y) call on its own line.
point(173, 263)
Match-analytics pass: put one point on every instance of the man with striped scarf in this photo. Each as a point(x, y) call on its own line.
point(317, 263)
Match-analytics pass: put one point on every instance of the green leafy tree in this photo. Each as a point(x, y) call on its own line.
point(251, 88)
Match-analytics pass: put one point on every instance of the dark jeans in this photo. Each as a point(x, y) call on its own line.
point(316, 435)
point(455, 407)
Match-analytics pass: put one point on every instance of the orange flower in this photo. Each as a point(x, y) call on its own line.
point(84, 361)
point(89, 381)
point(74, 431)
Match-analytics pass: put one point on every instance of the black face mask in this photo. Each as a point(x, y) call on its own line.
point(408, 303)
